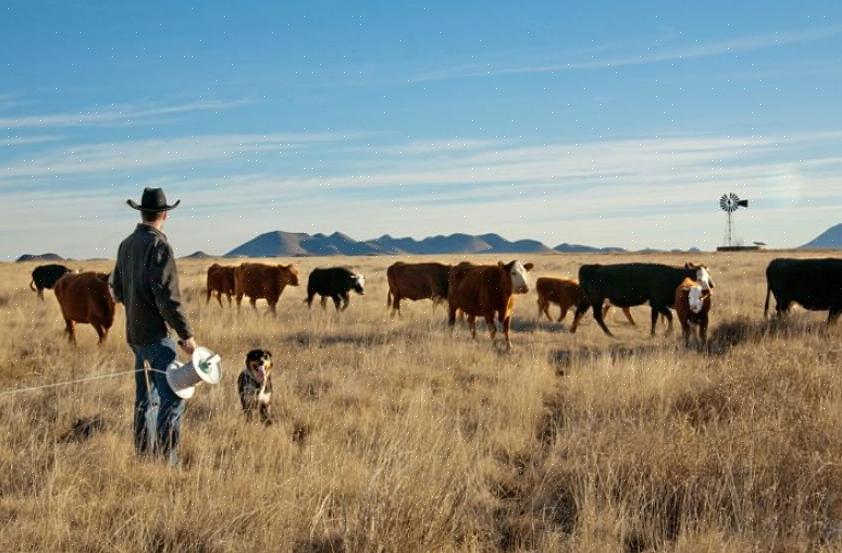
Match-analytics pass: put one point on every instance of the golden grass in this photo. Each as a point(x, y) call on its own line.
point(391, 435)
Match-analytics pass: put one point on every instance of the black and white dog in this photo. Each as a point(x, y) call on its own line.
point(255, 385)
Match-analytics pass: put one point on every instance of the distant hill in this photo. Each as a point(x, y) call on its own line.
point(197, 255)
point(578, 248)
point(831, 239)
point(291, 244)
point(39, 257)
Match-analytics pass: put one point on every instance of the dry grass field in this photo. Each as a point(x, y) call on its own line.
point(393, 436)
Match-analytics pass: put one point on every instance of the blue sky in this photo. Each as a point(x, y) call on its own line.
point(604, 124)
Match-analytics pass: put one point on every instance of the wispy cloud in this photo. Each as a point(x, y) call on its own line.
point(694, 50)
point(122, 114)
point(149, 154)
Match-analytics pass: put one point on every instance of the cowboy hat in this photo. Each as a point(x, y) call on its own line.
point(153, 199)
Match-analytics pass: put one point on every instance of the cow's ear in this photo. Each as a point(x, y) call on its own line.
point(688, 265)
point(529, 266)
point(501, 264)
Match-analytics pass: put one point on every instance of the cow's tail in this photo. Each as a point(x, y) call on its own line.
point(32, 285)
point(766, 306)
point(389, 298)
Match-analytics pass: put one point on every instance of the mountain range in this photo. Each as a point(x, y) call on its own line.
point(831, 239)
point(291, 244)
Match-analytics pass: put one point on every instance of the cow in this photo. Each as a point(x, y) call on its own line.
point(486, 291)
point(692, 305)
point(814, 284)
point(44, 277)
point(630, 284)
point(85, 298)
point(565, 293)
point(220, 281)
point(334, 283)
point(261, 281)
point(416, 281)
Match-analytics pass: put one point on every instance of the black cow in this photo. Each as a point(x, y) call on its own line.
point(630, 284)
point(334, 283)
point(815, 284)
point(46, 276)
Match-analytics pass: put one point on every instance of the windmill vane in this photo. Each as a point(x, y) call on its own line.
point(729, 203)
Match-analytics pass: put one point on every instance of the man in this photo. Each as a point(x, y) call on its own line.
point(145, 281)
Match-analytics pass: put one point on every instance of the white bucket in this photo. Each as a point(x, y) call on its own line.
point(205, 366)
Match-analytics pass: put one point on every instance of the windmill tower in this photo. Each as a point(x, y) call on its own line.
point(730, 203)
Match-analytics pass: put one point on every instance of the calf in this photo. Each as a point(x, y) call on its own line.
point(220, 281)
point(85, 298)
point(258, 281)
point(486, 291)
point(692, 305)
point(416, 281)
point(566, 294)
point(44, 277)
point(334, 283)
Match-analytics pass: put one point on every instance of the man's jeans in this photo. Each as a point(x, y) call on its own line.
point(158, 411)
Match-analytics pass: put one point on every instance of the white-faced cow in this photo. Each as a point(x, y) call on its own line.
point(334, 283)
point(814, 284)
point(486, 291)
point(630, 284)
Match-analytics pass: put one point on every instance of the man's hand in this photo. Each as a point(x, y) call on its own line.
point(188, 345)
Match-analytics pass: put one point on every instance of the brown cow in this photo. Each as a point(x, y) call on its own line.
point(220, 281)
point(416, 281)
point(565, 293)
point(486, 290)
point(692, 305)
point(85, 298)
point(261, 281)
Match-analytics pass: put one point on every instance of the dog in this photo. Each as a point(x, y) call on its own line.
point(255, 385)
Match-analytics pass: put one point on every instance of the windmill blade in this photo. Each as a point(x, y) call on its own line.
point(742, 203)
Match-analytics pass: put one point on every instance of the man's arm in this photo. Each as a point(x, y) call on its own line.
point(163, 278)
point(115, 281)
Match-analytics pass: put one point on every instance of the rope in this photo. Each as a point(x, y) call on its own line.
point(74, 381)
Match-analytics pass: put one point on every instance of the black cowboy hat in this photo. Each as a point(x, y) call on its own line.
point(153, 199)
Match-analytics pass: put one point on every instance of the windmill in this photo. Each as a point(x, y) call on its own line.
point(729, 204)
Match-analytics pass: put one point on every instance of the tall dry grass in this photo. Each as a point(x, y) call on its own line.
point(391, 435)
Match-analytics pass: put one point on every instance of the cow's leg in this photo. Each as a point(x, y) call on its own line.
point(451, 315)
point(346, 301)
point(239, 298)
point(208, 295)
point(665, 311)
point(833, 316)
point(309, 300)
point(70, 331)
point(273, 307)
point(597, 314)
point(492, 326)
point(629, 318)
point(41, 294)
point(101, 331)
point(396, 305)
point(685, 330)
point(703, 331)
point(219, 297)
point(506, 325)
point(472, 324)
point(655, 313)
point(563, 314)
point(337, 301)
point(253, 302)
point(228, 297)
point(544, 308)
point(581, 310)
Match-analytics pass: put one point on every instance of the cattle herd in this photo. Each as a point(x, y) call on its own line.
point(485, 291)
